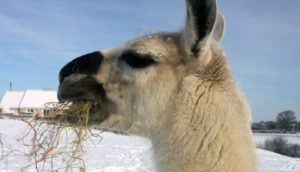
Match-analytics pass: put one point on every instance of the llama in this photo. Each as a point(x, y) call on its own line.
point(175, 89)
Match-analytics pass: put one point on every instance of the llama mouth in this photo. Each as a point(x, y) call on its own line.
point(78, 87)
point(98, 112)
point(83, 88)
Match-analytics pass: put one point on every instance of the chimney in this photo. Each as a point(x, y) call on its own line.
point(10, 86)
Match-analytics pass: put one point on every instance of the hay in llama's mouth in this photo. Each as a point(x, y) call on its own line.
point(74, 113)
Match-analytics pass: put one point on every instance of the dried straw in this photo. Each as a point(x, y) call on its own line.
point(52, 139)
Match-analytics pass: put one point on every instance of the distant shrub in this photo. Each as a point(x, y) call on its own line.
point(277, 144)
point(280, 145)
point(294, 150)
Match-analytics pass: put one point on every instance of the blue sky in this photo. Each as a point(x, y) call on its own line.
point(262, 42)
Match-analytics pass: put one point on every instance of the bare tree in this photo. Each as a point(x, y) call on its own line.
point(286, 120)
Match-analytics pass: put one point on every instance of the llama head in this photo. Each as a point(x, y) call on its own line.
point(133, 86)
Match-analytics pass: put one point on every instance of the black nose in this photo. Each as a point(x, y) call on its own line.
point(86, 64)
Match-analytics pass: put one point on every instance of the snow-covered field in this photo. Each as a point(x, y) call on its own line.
point(114, 153)
point(261, 137)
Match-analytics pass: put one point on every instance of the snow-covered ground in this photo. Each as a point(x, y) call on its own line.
point(114, 153)
point(261, 137)
point(274, 162)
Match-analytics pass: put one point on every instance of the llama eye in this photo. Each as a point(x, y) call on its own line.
point(136, 60)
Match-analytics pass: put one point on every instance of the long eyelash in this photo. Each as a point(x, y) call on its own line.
point(136, 60)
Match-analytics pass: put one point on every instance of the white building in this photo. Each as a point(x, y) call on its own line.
point(29, 102)
point(11, 101)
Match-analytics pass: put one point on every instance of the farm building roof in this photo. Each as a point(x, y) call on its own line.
point(37, 98)
point(12, 99)
point(28, 99)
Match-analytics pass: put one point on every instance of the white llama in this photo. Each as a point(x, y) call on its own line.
point(173, 88)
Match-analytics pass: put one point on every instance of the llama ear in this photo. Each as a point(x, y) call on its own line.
point(219, 27)
point(201, 16)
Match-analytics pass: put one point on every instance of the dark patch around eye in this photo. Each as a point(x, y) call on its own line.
point(136, 60)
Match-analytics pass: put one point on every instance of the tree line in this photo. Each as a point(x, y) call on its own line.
point(285, 121)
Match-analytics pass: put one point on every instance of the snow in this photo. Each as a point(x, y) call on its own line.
point(291, 138)
point(38, 98)
point(114, 153)
point(272, 162)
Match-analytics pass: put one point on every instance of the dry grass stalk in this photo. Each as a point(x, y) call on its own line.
point(60, 134)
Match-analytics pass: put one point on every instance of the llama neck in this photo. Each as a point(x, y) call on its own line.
point(190, 150)
point(210, 148)
point(204, 135)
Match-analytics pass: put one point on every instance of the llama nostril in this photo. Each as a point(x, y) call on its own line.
point(86, 64)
